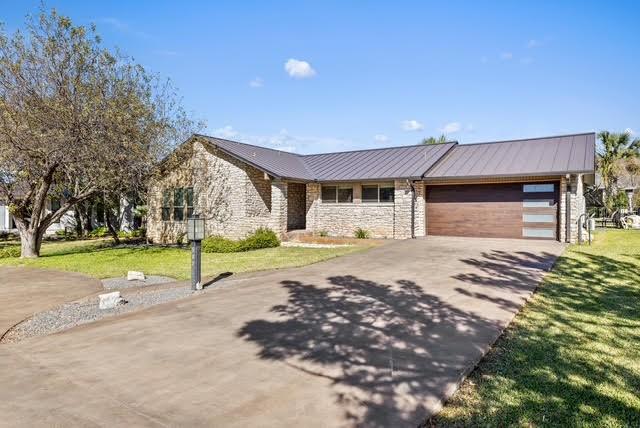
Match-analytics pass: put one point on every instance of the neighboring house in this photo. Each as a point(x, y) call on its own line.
point(509, 189)
point(68, 220)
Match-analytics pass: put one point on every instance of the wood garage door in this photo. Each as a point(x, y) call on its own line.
point(512, 210)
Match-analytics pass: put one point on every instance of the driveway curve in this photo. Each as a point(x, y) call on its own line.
point(373, 339)
point(26, 291)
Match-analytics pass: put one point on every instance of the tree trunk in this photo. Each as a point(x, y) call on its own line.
point(30, 243)
point(112, 230)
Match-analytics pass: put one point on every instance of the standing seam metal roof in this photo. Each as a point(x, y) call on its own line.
point(538, 156)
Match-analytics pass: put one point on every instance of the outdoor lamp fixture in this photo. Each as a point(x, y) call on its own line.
point(195, 234)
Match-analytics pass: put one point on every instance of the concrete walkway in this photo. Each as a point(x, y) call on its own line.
point(373, 339)
point(25, 291)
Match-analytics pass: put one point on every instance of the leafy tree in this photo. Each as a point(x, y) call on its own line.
point(76, 120)
point(435, 140)
point(613, 147)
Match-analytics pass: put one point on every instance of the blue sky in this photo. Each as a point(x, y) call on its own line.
point(373, 74)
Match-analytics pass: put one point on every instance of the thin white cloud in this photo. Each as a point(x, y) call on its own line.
point(533, 43)
point(256, 83)
point(123, 27)
point(225, 132)
point(412, 125)
point(299, 69)
point(630, 131)
point(381, 138)
point(506, 56)
point(451, 128)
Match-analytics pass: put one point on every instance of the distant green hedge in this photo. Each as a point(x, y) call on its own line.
point(261, 238)
point(9, 251)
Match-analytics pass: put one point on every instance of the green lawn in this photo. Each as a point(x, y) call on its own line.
point(99, 259)
point(572, 356)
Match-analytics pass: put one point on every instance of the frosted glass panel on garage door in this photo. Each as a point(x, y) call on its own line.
point(538, 233)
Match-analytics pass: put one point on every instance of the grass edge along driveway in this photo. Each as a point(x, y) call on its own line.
point(100, 259)
point(572, 355)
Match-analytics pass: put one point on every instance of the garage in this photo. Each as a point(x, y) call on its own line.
point(497, 210)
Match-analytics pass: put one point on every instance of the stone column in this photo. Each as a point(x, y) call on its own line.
point(402, 210)
point(421, 208)
point(279, 207)
point(563, 210)
point(313, 199)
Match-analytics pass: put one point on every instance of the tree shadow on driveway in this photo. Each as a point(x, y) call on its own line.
point(389, 350)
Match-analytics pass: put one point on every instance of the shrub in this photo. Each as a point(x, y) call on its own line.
point(9, 251)
point(361, 233)
point(261, 238)
point(323, 233)
point(218, 244)
point(99, 232)
point(180, 238)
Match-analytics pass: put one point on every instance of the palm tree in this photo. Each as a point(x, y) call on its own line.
point(613, 148)
point(433, 140)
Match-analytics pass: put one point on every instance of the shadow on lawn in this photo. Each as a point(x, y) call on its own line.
point(550, 365)
point(387, 349)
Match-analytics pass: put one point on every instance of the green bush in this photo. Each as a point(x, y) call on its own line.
point(218, 244)
point(323, 233)
point(361, 233)
point(261, 238)
point(99, 232)
point(9, 251)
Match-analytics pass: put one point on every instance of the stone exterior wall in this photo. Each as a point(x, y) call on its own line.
point(571, 191)
point(233, 197)
point(382, 220)
point(296, 206)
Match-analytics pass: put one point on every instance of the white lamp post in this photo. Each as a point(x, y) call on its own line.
point(195, 234)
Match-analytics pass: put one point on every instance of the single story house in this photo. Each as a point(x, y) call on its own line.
point(531, 188)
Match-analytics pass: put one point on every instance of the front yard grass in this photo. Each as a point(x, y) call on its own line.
point(572, 356)
point(101, 260)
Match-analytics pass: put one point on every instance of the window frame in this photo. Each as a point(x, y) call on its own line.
point(336, 193)
point(538, 188)
point(379, 187)
point(166, 206)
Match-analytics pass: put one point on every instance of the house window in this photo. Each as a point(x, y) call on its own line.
point(179, 201)
point(329, 193)
point(538, 188)
point(340, 194)
point(345, 194)
point(188, 195)
point(55, 204)
point(178, 204)
point(166, 205)
point(378, 193)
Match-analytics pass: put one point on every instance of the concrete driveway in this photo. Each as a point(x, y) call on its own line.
point(26, 291)
point(371, 339)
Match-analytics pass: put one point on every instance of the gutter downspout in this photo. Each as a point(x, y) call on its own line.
point(413, 209)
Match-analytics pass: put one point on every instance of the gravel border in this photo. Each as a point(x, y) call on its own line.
point(122, 283)
point(86, 311)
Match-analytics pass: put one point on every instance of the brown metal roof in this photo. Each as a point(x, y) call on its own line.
point(538, 156)
point(532, 157)
point(278, 163)
point(376, 164)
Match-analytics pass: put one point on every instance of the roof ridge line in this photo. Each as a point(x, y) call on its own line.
point(382, 148)
point(518, 140)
